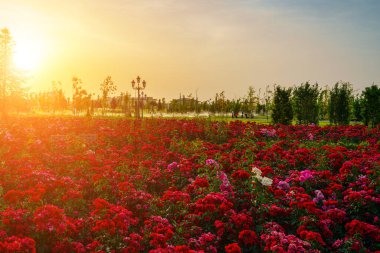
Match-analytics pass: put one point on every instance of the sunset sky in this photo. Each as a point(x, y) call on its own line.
point(181, 46)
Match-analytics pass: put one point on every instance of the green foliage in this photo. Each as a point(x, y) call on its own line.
point(282, 106)
point(357, 109)
point(306, 106)
point(235, 105)
point(371, 105)
point(323, 103)
point(339, 103)
point(184, 104)
point(252, 99)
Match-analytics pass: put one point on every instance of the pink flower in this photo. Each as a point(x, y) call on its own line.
point(225, 187)
point(172, 166)
point(337, 243)
point(305, 175)
point(212, 162)
point(283, 185)
point(319, 196)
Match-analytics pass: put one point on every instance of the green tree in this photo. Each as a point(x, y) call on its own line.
point(306, 107)
point(245, 107)
point(220, 102)
point(282, 111)
point(235, 107)
point(371, 105)
point(323, 103)
point(268, 97)
point(252, 100)
point(107, 87)
point(357, 108)
point(339, 103)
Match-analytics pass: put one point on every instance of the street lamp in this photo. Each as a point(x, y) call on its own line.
point(136, 86)
point(143, 96)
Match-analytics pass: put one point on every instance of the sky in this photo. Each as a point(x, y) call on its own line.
point(195, 47)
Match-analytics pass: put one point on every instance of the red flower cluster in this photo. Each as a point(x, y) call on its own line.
point(157, 185)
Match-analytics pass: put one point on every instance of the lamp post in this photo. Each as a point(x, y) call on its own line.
point(136, 86)
point(143, 96)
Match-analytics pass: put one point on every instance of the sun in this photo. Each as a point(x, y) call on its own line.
point(28, 55)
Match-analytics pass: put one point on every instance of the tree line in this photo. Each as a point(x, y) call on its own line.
point(303, 104)
point(308, 104)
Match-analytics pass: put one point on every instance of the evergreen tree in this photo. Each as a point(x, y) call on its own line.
point(357, 109)
point(282, 107)
point(371, 105)
point(323, 103)
point(339, 103)
point(306, 106)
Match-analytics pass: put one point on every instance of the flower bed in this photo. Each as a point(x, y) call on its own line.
point(96, 185)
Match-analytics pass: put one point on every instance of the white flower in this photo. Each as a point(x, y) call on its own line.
point(256, 171)
point(266, 181)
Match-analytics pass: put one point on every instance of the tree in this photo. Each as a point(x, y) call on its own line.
point(10, 81)
point(323, 103)
point(107, 87)
point(81, 100)
point(59, 102)
point(10, 78)
point(252, 100)
point(5, 58)
point(126, 100)
point(268, 94)
point(19, 100)
point(164, 106)
point(306, 107)
point(244, 108)
point(357, 108)
point(282, 106)
point(220, 103)
point(339, 103)
point(113, 103)
point(235, 107)
point(371, 105)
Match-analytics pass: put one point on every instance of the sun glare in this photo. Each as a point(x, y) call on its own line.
point(28, 55)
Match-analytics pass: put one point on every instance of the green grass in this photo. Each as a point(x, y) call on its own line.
point(260, 119)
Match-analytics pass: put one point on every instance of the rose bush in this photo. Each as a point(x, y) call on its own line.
point(157, 185)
